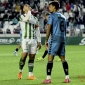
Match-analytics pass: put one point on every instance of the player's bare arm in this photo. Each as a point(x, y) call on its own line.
point(48, 32)
point(47, 35)
point(38, 36)
point(39, 45)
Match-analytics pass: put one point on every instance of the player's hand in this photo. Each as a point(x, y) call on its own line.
point(15, 53)
point(46, 45)
point(39, 45)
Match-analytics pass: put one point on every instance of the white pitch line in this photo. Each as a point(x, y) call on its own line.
point(67, 52)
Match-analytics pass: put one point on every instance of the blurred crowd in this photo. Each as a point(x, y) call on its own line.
point(74, 10)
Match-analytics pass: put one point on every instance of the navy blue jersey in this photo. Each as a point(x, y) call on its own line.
point(58, 30)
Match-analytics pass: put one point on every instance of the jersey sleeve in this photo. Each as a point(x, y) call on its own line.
point(33, 20)
point(50, 20)
point(25, 18)
point(38, 35)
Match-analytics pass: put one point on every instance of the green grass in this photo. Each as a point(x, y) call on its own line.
point(75, 56)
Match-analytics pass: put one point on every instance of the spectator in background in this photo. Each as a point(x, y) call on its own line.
point(79, 21)
point(9, 7)
point(14, 5)
point(46, 7)
point(68, 7)
point(17, 8)
point(45, 21)
point(15, 21)
point(71, 28)
point(84, 19)
point(1, 32)
point(36, 1)
point(8, 31)
point(72, 6)
point(32, 3)
point(5, 4)
point(5, 17)
point(64, 6)
point(2, 8)
point(41, 23)
point(1, 24)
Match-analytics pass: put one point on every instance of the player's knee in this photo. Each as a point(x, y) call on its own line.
point(32, 57)
point(62, 58)
point(31, 61)
point(63, 61)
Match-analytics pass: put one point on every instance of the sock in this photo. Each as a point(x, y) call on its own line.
point(45, 53)
point(48, 77)
point(16, 49)
point(21, 63)
point(20, 70)
point(30, 73)
point(30, 67)
point(67, 76)
point(65, 67)
point(49, 69)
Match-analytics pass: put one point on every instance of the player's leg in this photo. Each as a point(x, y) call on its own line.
point(64, 62)
point(32, 53)
point(43, 56)
point(51, 54)
point(22, 59)
point(21, 64)
point(49, 69)
point(66, 69)
point(31, 67)
point(45, 53)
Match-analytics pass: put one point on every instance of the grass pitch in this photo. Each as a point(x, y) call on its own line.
point(75, 56)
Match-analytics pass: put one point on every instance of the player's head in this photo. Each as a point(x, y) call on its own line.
point(47, 16)
point(26, 8)
point(54, 6)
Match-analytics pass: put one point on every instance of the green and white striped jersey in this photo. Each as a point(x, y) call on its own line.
point(28, 28)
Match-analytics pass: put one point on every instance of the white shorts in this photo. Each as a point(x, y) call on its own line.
point(29, 46)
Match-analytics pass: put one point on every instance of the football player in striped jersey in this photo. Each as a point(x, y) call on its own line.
point(31, 40)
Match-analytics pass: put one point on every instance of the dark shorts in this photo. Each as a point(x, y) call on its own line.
point(56, 48)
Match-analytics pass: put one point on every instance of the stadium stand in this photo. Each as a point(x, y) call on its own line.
point(74, 10)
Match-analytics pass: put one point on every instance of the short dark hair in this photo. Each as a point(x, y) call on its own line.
point(55, 3)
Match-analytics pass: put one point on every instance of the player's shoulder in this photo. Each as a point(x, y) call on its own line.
point(51, 15)
point(61, 15)
point(56, 14)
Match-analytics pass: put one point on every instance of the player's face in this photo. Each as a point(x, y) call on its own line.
point(51, 8)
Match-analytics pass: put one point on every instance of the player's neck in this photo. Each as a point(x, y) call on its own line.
point(55, 11)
